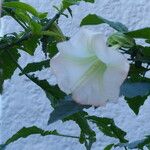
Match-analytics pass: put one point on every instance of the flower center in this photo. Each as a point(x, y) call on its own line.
point(96, 69)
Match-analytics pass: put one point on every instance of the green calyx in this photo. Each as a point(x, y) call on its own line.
point(121, 40)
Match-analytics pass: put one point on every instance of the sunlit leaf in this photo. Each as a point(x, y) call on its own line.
point(22, 6)
point(140, 33)
point(68, 3)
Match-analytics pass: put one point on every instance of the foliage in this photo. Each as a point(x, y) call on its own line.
point(39, 30)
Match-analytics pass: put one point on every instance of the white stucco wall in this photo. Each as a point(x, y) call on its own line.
point(24, 104)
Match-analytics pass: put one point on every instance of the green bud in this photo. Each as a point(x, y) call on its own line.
point(121, 40)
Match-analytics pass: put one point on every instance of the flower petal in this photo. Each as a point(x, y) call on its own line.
point(91, 91)
point(112, 80)
point(79, 45)
point(68, 71)
point(88, 69)
point(107, 54)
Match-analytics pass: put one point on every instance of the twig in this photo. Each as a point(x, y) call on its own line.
point(28, 35)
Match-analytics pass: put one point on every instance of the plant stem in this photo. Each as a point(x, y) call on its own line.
point(125, 148)
point(67, 136)
point(29, 34)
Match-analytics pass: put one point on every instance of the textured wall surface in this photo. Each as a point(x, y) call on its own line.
point(24, 104)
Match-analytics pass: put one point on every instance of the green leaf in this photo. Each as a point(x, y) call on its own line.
point(1, 81)
point(109, 147)
point(68, 3)
point(136, 71)
point(6, 64)
point(146, 51)
point(63, 109)
point(135, 103)
point(10, 0)
point(148, 146)
point(30, 45)
point(22, 16)
point(53, 93)
point(52, 49)
point(35, 27)
point(93, 19)
point(134, 89)
point(22, 6)
point(87, 135)
point(36, 66)
point(141, 33)
point(25, 132)
point(146, 54)
point(108, 127)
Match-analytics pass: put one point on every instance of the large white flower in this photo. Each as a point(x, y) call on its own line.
point(88, 69)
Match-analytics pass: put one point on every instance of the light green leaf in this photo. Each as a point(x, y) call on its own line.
point(22, 6)
point(68, 3)
point(140, 33)
point(93, 19)
point(35, 27)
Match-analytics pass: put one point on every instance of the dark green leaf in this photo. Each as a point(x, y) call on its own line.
point(25, 132)
point(109, 147)
point(36, 66)
point(108, 127)
point(141, 33)
point(93, 19)
point(146, 54)
point(53, 93)
point(1, 81)
point(136, 71)
point(30, 45)
point(87, 135)
point(135, 103)
point(148, 146)
point(6, 63)
point(64, 109)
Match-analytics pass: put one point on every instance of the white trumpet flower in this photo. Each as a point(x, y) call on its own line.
point(88, 69)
